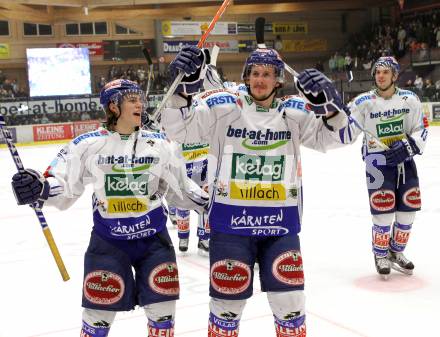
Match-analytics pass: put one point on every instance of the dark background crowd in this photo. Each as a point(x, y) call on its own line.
point(413, 38)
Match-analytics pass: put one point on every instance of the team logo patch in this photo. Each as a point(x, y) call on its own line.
point(230, 276)
point(288, 268)
point(412, 198)
point(381, 240)
point(183, 225)
point(383, 200)
point(401, 237)
point(103, 287)
point(164, 279)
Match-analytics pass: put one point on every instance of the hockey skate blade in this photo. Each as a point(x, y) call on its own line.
point(384, 277)
point(398, 268)
point(203, 253)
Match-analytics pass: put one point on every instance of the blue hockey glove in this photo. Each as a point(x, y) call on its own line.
point(192, 61)
point(320, 92)
point(401, 151)
point(29, 187)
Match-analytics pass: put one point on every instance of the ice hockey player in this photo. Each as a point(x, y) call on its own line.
point(256, 195)
point(394, 116)
point(195, 156)
point(130, 170)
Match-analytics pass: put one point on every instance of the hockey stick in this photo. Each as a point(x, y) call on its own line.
point(259, 35)
point(150, 70)
point(36, 207)
point(176, 82)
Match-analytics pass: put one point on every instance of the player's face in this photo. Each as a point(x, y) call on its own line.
point(131, 110)
point(262, 80)
point(384, 78)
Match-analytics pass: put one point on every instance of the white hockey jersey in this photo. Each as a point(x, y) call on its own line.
point(254, 166)
point(130, 175)
point(195, 156)
point(389, 120)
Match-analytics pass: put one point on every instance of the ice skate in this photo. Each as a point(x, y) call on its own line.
point(183, 245)
point(383, 266)
point(203, 246)
point(400, 263)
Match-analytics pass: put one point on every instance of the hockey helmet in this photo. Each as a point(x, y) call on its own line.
point(386, 62)
point(114, 91)
point(264, 56)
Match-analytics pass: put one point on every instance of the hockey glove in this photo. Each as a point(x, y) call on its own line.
point(192, 61)
point(401, 151)
point(320, 92)
point(29, 187)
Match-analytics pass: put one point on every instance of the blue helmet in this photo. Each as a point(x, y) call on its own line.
point(386, 62)
point(114, 91)
point(264, 56)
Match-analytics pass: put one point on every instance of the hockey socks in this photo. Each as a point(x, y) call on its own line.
point(381, 240)
point(94, 331)
point(161, 329)
point(295, 327)
point(219, 327)
point(400, 237)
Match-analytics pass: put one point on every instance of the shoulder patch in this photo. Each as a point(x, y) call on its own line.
point(212, 92)
point(406, 93)
point(294, 102)
point(92, 134)
point(153, 135)
point(226, 98)
point(363, 98)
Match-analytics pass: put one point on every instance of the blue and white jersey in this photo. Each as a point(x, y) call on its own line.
point(130, 175)
point(389, 120)
point(195, 156)
point(254, 165)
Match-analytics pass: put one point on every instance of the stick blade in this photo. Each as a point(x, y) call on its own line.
point(259, 31)
point(147, 55)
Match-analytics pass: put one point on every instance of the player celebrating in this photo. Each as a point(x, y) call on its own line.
point(254, 167)
point(394, 116)
point(130, 170)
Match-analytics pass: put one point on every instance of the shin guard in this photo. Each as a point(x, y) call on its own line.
point(219, 327)
point(94, 331)
point(399, 237)
point(161, 329)
point(295, 327)
point(381, 240)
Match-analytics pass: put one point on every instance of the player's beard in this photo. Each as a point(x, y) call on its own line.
point(262, 97)
point(384, 87)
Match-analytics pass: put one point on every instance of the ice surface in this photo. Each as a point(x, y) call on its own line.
point(345, 297)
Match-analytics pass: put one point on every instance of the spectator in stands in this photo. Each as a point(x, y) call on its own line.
point(100, 84)
point(340, 62)
point(332, 64)
point(437, 90)
point(141, 74)
point(418, 83)
point(85, 116)
point(3, 93)
point(429, 91)
point(437, 36)
point(44, 119)
point(2, 77)
point(347, 62)
point(401, 38)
